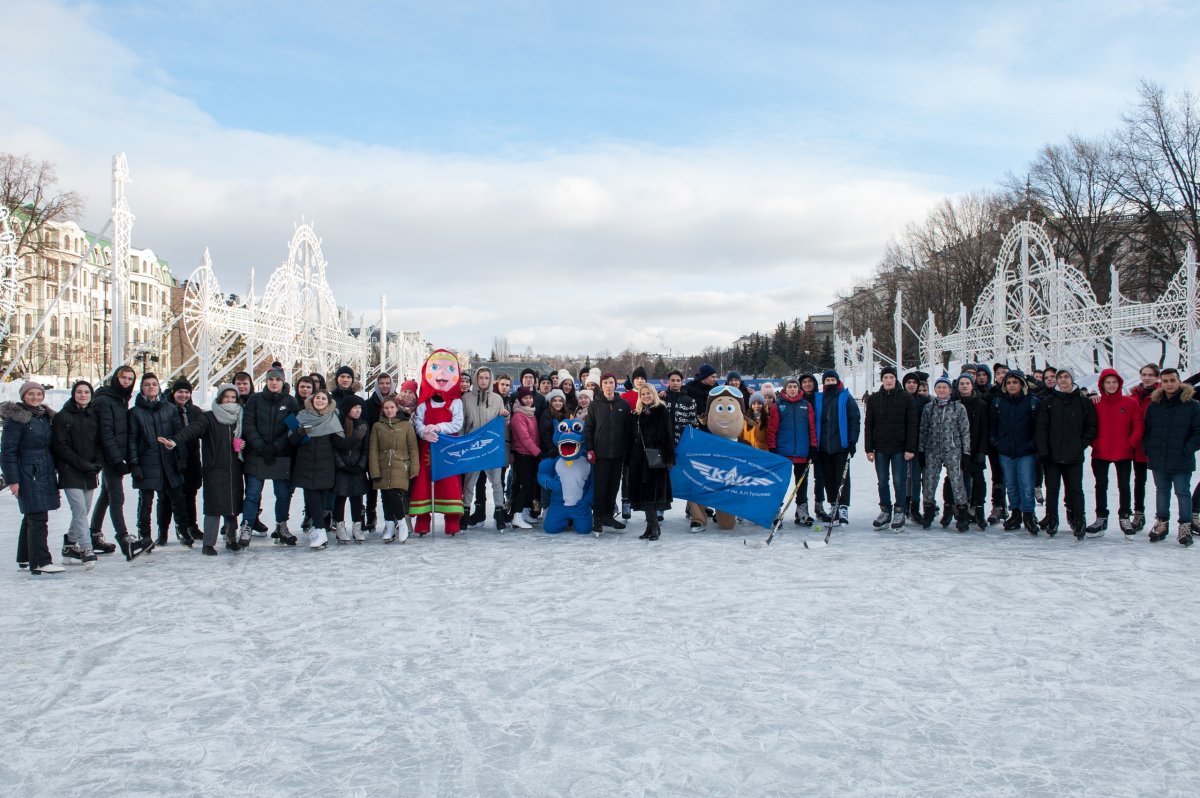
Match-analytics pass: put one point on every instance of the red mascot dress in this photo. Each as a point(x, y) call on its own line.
point(439, 412)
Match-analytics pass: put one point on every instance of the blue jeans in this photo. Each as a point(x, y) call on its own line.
point(895, 467)
point(254, 489)
point(1019, 478)
point(1181, 483)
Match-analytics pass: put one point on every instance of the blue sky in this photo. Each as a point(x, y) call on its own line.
point(746, 159)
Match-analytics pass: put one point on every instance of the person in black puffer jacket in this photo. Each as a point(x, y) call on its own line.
point(916, 466)
point(77, 457)
point(698, 388)
point(268, 454)
point(973, 464)
point(351, 481)
point(1011, 421)
point(155, 469)
point(111, 404)
point(180, 400)
point(1171, 438)
point(317, 436)
point(27, 461)
point(606, 434)
point(890, 441)
point(1066, 426)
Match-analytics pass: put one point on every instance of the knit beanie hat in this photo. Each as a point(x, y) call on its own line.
point(593, 376)
point(344, 370)
point(28, 386)
point(733, 375)
point(757, 397)
point(886, 370)
point(705, 371)
point(181, 384)
point(827, 373)
point(524, 391)
point(565, 376)
point(640, 371)
point(588, 393)
point(277, 374)
point(409, 385)
point(943, 379)
point(556, 394)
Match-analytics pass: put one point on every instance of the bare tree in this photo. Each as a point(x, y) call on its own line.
point(1075, 188)
point(29, 188)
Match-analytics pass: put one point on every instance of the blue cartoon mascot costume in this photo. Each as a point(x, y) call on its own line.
point(568, 477)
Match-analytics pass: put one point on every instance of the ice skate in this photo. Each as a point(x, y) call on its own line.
point(71, 554)
point(48, 568)
point(283, 536)
point(819, 512)
point(184, 537)
point(1126, 525)
point(501, 519)
point(340, 533)
point(1096, 528)
point(898, 518)
point(883, 519)
point(997, 514)
point(356, 532)
point(244, 532)
point(519, 521)
point(1030, 522)
point(209, 551)
point(979, 519)
point(802, 516)
point(927, 516)
point(259, 529)
point(100, 545)
point(403, 530)
point(1013, 522)
point(843, 514)
point(1185, 534)
point(1138, 522)
point(962, 518)
point(947, 515)
point(1159, 531)
point(317, 539)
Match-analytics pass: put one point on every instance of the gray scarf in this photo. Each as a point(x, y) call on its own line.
point(326, 423)
point(229, 414)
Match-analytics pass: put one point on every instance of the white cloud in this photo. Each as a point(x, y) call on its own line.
point(667, 249)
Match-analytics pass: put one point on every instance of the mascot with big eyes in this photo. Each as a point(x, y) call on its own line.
point(724, 418)
point(568, 477)
point(439, 412)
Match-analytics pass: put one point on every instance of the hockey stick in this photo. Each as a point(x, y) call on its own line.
point(837, 516)
point(778, 522)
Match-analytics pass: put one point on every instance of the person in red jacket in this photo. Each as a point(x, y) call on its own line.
point(1119, 423)
point(1142, 393)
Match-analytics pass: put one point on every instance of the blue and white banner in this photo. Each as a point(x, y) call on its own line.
point(730, 476)
point(475, 451)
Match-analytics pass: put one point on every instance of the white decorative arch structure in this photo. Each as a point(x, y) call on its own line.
point(8, 274)
point(1038, 309)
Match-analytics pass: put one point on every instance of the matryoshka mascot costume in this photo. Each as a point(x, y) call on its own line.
point(439, 412)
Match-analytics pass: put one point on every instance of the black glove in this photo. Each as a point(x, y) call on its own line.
point(136, 470)
point(94, 468)
point(122, 468)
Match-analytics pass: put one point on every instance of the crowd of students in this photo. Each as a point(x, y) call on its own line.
point(341, 449)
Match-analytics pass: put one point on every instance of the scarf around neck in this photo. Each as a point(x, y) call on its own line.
point(321, 423)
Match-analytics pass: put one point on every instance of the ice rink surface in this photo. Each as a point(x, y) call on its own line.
point(927, 663)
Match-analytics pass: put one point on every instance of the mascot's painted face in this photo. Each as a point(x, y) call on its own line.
point(724, 415)
point(568, 439)
point(440, 375)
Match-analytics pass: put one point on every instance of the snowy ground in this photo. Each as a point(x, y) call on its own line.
point(921, 664)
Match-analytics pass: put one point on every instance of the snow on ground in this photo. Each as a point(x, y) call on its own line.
point(923, 664)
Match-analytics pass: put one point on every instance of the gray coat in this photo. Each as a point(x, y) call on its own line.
point(945, 431)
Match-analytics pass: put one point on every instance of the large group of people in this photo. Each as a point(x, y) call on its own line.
point(1024, 432)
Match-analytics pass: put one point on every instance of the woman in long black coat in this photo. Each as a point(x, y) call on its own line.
point(28, 464)
point(77, 456)
point(650, 488)
point(351, 482)
point(219, 432)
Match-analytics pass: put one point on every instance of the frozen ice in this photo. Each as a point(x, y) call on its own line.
point(926, 663)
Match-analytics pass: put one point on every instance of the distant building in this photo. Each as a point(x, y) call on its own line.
point(513, 368)
point(75, 340)
point(819, 327)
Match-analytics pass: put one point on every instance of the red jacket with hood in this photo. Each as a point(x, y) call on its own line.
point(1119, 420)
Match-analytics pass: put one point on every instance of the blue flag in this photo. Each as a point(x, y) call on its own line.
point(730, 476)
point(475, 451)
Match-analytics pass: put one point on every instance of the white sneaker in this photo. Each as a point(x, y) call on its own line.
point(356, 532)
point(317, 539)
point(340, 532)
point(521, 522)
point(527, 518)
point(49, 568)
point(389, 531)
point(402, 530)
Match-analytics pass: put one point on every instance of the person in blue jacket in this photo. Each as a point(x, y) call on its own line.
point(838, 425)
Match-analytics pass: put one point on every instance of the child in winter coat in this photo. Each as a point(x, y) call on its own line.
point(945, 438)
point(350, 482)
point(393, 460)
point(756, 432)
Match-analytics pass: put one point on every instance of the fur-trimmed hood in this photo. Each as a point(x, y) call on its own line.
point(1186, 393)
point(20, 412)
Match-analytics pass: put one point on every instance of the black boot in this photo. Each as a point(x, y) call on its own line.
point(1030, 522)
point(1013, 522)
point(162, 538)
point(501, 519)
point(1050, 524)
point(646, 534)
point(653, 528)
point(980, 520)
point(230, 531)
point(962, 517)
point(184, 536)
point(947, 514)
point(927, 516)
point(100, 545)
